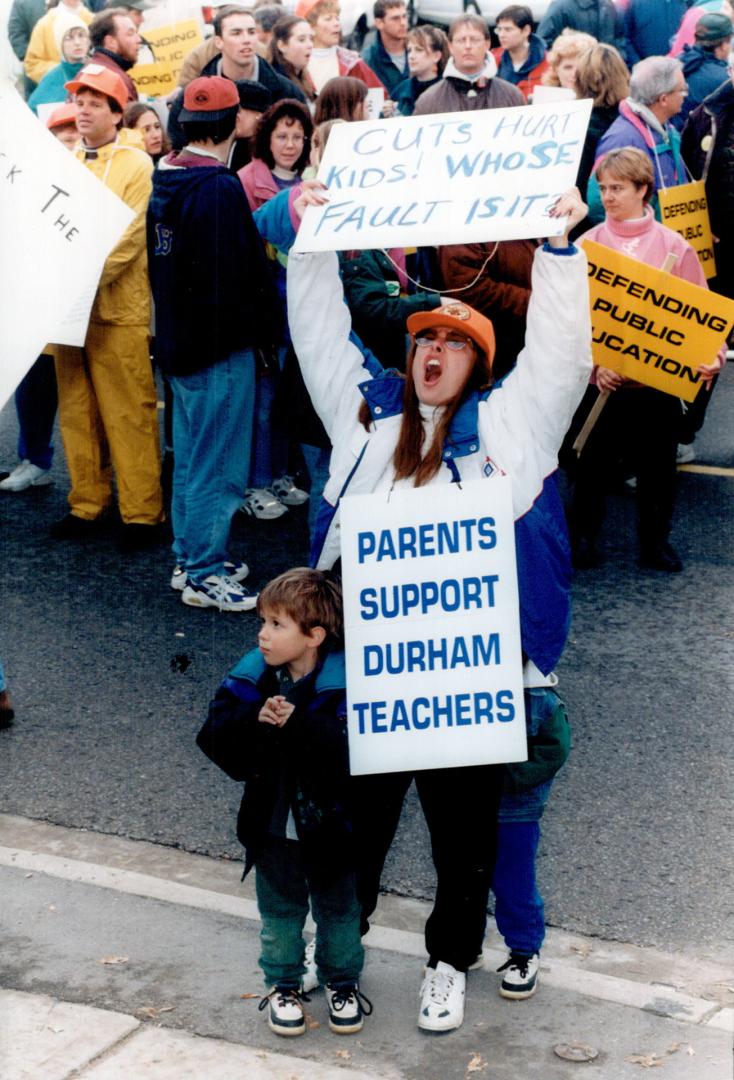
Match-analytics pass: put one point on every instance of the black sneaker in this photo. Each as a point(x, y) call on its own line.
point(521, 976)
point(660, 557)
point(347, 1008)
point(285, 1011)
point(72, 527)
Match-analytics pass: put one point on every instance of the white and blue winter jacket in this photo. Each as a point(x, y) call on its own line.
point(516, 428)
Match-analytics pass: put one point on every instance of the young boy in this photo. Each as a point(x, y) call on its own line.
point(278, 722)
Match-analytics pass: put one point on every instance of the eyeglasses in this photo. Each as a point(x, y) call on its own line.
point(456, 344)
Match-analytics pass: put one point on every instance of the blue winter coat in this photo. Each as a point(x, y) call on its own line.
point(704, 74)
point(651, 25)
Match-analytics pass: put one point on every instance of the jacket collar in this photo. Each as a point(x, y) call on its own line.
point(384, 395)
point(329, 674)
point(488, 72)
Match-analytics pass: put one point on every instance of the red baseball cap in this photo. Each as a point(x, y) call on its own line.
point(99, 78)
point(210, 97)
point(65, 114)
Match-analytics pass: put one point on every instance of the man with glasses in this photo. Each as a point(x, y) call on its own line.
point(470, 77)
point(657, 92)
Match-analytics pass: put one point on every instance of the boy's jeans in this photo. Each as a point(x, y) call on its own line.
point(283, 894)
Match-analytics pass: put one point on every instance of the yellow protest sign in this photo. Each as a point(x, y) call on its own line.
point(170, 46)
point(650, 326)
point(685, 209)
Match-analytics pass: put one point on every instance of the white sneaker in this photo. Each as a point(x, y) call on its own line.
point(520, 980)
point(219, 592)
point(24, 476)
point(262, 504)
point(347, 1009)
point(442, 998)
point(310, 978)
point(684, 455)
point(285, 489)
point(285, 1012)
point(236, 571)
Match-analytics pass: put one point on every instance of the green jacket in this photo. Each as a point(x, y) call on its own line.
point(379, 312)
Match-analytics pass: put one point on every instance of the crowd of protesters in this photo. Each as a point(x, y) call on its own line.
point(275, 366)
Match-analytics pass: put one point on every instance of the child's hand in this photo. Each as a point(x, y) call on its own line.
point(276, 711)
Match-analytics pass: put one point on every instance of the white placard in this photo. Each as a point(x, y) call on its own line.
point(542, 95)
point(452, 178)
point(375, 102)
point(432, 628)
point(58, 224)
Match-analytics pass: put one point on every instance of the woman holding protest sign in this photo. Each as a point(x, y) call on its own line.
point(440, 423)
point(638, 422)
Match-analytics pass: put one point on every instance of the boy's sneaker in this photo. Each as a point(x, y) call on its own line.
point(24, 476)
point(235, 571)
point(347, 1008)
point(219, 592)
point(520, 980)
point(285, 1011)
point(442, 998)
point(260, 503)
point(310, 979)
point(685, 454)
point(288, 493)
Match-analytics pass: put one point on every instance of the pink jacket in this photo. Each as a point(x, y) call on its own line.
point(649, 242)
point(258, 182)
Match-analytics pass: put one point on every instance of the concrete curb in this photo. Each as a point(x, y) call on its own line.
point(625, 975)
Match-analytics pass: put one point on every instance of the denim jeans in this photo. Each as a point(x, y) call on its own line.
point(212, 436)
point(317, 460)
point(36, 400)
point(519, 909)
point(283, 894)
point(269, 442)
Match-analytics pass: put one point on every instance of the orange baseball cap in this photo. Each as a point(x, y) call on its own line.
point(460, 317)
point(65, 114)
point(99, 78)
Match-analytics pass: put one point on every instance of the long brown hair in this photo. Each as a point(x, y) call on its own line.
point(282, 31)
point(408, 458)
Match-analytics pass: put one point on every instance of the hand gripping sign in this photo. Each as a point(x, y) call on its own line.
point(650, 326)
point(432, 628)
point(451, 178)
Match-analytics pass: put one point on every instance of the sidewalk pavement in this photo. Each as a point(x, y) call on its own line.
point(124, 959)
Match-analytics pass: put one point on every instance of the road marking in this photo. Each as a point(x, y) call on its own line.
point(566, 975)
point(707, 470)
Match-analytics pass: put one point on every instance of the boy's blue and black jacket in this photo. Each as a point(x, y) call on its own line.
point(308, 758)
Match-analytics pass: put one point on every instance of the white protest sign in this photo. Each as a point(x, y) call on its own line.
point(452, 178)
point(58, 224)
point(542, 95)
point(431, 620)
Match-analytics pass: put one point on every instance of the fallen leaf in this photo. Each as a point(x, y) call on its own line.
point(56, 1031)
point(28, 875)
point(647, 1061)
point(249, 997)
point(690, 1051)
point(582, 950)
point(311, 1022)
point(344, 1054)
point(477, 1064)
point(52, 907)
point(110, 960)
point(154, 1011)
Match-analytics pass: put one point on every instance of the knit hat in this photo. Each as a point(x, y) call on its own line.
point(101, 79)
point(253, 95)
point(460, 317)
point(713, 27)
point(65, 21)
point(210, 97)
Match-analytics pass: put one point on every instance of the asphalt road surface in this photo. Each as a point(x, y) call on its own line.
point(111, 675)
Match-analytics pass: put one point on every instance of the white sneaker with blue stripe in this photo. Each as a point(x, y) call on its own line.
point(219, 592)
point(236, 571)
